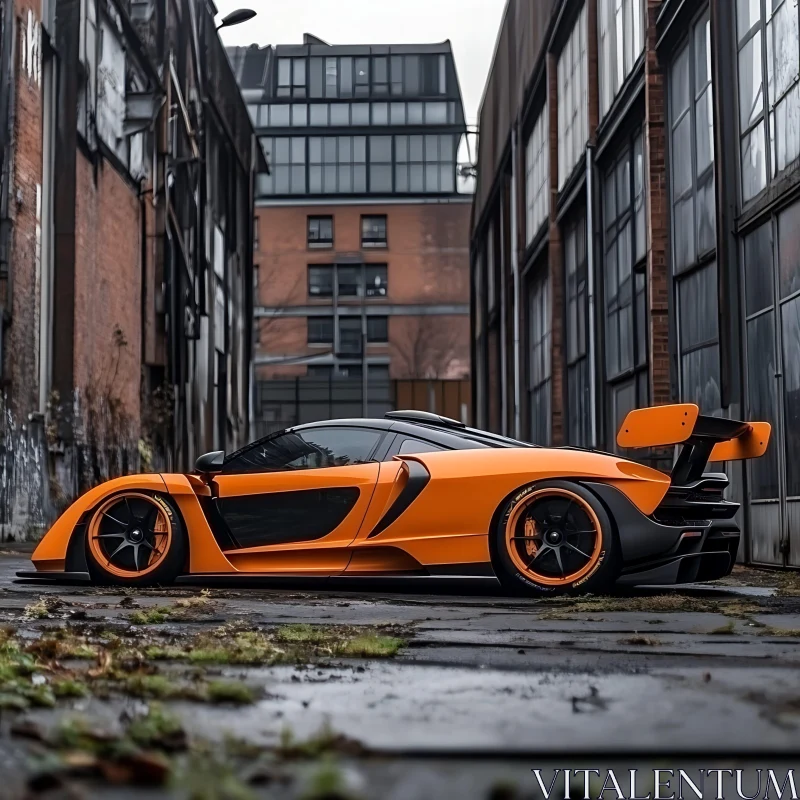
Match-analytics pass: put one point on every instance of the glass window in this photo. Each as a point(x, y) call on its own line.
point(380, 161)
point(298, 77)
point(373, 231)
point(360, 113)
point(694, 223)
point(346, 77)
point(539, 372)
point(762, 365)
point(579, 409)
point(284, 77)
point(350, 336)
point(378, 329)
point(314, 448)
point(624, 293)
point(376, 280)
point(286, 157)
point(435, 113)
point(694, 220)
point(331, 77)
point(397, 75)
point(348, 280)
point(320, 330)
point(412, 83)
point(380, 75)
point(362, 77)
point(320, 281)
point(573, 103)
point(397, 113)
point(425, 163)
point(279, 116)
point(299, 115)
point(316, 80)
point(768, 34)
point(620, 26)
point(340, 114)
point(318, 114)
point(415, 114)
point(380, 113)
point(537, 177)
point(416, 446)
point(320, 231)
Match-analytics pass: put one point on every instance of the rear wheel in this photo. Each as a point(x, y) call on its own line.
point(135, 539)
point(555, 538)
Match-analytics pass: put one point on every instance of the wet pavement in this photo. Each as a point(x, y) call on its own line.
point(484, 688)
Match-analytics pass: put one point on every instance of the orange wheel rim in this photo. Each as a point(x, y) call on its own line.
point(130, 534)
point(553, 537)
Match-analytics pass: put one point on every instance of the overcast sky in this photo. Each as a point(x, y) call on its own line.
point(471, 25)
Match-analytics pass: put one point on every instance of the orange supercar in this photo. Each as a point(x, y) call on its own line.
point(417, 494)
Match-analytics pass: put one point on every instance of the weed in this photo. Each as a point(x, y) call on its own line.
point(43, 608)
point(70, 687)
point(790, 633)
point(638, 639)
point(371, 645)
point(229, 692)
point(158, 728)
point(725, 630)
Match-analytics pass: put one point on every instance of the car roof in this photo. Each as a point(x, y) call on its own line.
point(454, 438)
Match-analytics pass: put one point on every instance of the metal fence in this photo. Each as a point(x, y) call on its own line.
point(281, 404)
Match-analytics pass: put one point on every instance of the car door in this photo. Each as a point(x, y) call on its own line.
point(305, 489)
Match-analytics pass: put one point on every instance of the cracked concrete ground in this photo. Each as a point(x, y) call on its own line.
point(484, 688)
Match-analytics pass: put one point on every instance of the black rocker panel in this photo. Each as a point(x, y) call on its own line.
point(284, 517)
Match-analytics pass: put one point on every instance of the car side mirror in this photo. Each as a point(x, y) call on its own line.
point(210, 463)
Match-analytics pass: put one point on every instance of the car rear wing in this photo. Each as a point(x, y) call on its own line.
point(704, 438)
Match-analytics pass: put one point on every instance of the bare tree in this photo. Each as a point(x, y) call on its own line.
point(432, 348)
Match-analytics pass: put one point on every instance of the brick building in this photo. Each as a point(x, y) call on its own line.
point(362, 248)
point(128, 170)
point(634, 233)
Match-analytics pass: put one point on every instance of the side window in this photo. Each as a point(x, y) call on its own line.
point(311, 449)
point(411, 446)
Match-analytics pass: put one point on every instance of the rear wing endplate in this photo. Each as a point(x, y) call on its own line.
point(704, 438)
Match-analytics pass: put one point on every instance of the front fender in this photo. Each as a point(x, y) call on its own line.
point(50, 554)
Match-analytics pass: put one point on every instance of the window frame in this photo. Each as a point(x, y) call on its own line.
point(635, 375)
point(319, 243)
point(295, 88)
point(537, 175)
point(375, 242)
point(321, 269)
point(702, 261)
point(319, 340)
point(539, 330)
point(576, 314)
point(766, 119)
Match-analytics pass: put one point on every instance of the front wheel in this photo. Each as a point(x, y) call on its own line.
point(555, 538)
point(135, 539)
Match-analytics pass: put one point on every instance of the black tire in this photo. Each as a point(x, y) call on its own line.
point(171, 564)
point(598, 580)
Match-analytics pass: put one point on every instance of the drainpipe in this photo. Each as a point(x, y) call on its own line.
point(590, 209)
point(515, 277)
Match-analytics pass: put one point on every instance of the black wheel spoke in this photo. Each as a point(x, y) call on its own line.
point(572, 547)
point(576, 533)
point(557, 551)
point(121, 547)
point(541, 551)
point(148, 545)
point(131, 515)
point(115, 520)
point(526, 538)
point(151, 518)
point(110, 536)
point(136, 556)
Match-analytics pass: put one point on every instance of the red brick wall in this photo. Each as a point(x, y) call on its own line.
point(556, 268)
point(22, 343)
point(657, 213)
point(428, 263)
point(108, 285)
